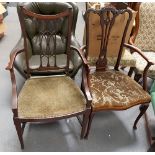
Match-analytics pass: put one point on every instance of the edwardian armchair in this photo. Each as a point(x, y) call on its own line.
point(143, 37)
point(75, 64)
point(54, 97)
point(110, 88)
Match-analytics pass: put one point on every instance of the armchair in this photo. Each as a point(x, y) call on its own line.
point(20, 61)
point(110, 88)
point(52, 97)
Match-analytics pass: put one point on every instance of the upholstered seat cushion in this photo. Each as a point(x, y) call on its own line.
point(61, 61)
point(126, 60)
point(114, 90)
point(141, 63)
point(48, 97)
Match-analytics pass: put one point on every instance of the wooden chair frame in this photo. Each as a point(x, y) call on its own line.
point(101, 64)
point(20, 123)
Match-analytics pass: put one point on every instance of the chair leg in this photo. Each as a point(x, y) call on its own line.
point(19, 131)
point(137, 77)
point(142, 109)
point(130, 71)
point(89, 124)
point(85, 123)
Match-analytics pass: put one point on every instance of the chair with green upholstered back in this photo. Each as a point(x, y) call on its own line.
point(46, 8)
point(52, 97)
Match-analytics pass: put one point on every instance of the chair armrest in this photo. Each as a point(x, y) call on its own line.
point(14, 92)
point(136, 49)
point(10, 67)
point(79, 51)
point(149, 63)
point(12, 58)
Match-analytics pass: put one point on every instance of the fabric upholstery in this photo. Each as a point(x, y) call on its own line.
point(48, 97)
point(61, 61)
point(145, 39)
point(114, 90)
point(141, 63)
point(126, 60)
point(34, 46)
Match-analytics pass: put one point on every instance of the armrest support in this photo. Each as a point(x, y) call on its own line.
point(13, 79)
point(85, 86)
point(14, 92)
point(85, 73)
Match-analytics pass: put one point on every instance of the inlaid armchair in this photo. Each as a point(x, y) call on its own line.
point(20, 62)
point(110, 88)
point(52, 97)
point(143, 38)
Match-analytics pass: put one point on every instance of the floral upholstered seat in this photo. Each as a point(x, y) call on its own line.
point(113, 90)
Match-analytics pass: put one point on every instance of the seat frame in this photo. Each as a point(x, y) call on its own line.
point(101, 64)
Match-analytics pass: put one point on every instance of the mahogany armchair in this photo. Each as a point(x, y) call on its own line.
point(20, 62)
point(54, 97)
point(143, 38)
point(110, 88)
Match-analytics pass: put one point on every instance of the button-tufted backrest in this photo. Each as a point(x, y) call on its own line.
point(46, 28)
point(59, 26)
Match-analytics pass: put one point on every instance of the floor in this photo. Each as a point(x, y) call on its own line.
point(111, 131)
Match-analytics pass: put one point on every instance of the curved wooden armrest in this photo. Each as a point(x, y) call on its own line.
point(149, 63)
point(79, 51)
point(12, 58)
point(135, 49)
point(83, 47)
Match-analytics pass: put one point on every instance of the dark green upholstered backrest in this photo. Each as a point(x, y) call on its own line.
point(33, 28)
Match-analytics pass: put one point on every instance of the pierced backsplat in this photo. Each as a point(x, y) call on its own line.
point(48, 29)
point(107, 18)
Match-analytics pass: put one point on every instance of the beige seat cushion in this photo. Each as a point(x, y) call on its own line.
point(48, 97)
point(141, 63)
point(114, 90)
point(126, 60)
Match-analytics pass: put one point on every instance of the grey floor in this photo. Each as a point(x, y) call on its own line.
point(111, 131)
